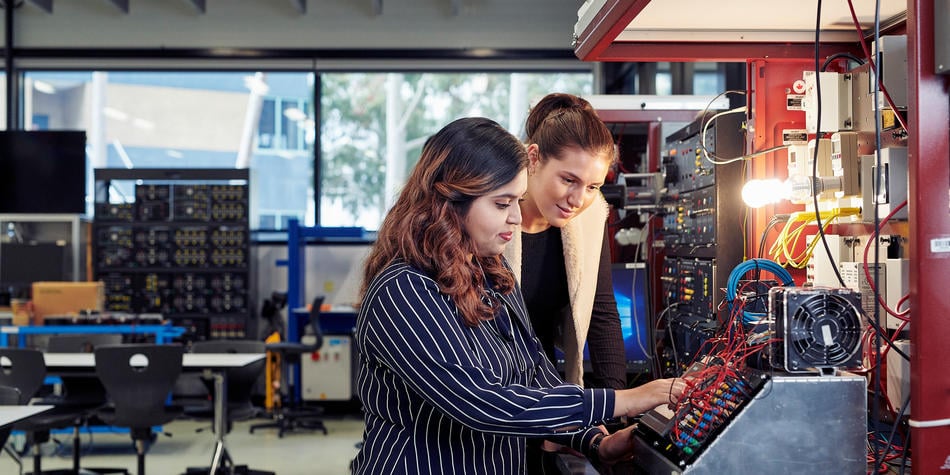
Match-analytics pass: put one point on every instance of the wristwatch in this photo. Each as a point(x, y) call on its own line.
point(593, 449)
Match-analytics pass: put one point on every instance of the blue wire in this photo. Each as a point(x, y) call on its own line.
point(754, 264)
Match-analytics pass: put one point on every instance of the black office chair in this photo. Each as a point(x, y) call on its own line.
point(81, 393)
point(293, 415)
point(240, 384)
point(25, 370)
point(138, 379)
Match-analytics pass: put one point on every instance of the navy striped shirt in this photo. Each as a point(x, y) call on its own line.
point(443, 397)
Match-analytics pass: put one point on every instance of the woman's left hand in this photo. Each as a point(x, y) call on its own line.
point(617, 447)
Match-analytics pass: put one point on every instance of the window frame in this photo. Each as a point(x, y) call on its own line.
point(494, 61)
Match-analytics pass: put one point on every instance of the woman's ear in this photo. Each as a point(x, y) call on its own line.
point(534, 158)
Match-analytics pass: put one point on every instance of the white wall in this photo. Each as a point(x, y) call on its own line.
point(327, 24)
point(332, 270)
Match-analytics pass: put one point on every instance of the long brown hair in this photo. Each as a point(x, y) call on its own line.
point(560, 120)
point(468, 158)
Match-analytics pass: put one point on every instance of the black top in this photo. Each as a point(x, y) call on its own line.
point(544, 286)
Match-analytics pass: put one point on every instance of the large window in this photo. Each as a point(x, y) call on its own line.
point(261, 121)
point(372, 127)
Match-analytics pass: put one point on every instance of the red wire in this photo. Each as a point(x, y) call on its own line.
point(867, 272)
point(867, 54)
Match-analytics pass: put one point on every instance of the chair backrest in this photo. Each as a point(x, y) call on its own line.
point(314, 323)
point(83, 343)
point(138, 378)
point(81, 390)
point(24, 369)
point(9, 396)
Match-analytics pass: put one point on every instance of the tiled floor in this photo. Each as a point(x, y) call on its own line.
point(296, 453)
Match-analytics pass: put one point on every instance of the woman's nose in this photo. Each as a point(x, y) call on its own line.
point(514, 217)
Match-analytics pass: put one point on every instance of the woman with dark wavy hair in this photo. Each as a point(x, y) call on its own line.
point(451, 376)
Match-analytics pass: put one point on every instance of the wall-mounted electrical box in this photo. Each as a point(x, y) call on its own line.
point(836, 106)
point(884, 184)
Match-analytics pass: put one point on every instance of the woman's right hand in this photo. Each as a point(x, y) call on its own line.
point(635, 401)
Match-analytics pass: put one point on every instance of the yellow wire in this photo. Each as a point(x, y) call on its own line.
point(784, 245)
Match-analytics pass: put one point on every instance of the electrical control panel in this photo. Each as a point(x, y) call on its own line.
point(691, 221)
point(690, 282)
point(761, 416)
point(701, 204)
point(327, 374)
point(702, 224)
point(715, 398)
point(181, 248)
point(690, 153)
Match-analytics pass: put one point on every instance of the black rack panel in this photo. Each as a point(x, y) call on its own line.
point(180, 247)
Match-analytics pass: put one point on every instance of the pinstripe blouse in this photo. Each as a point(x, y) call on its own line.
point(442, 397)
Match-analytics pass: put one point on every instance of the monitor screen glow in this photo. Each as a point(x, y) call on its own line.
point(630, 284)
point(630, 292)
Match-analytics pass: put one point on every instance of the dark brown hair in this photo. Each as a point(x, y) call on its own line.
point(559, 121)
point(468, 158)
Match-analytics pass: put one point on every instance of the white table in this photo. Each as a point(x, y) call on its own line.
point(213, 364)
point(13, 414)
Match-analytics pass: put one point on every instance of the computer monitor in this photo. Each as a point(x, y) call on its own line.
point(43, 171)
point(630, 282)
point(21, 264)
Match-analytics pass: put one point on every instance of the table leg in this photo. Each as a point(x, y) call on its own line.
point(220, 457)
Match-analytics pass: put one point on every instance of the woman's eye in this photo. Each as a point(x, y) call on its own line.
point(502, 205)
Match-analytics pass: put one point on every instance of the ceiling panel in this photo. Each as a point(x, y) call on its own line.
point(603, 24)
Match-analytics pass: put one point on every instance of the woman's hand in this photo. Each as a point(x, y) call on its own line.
point(616, 447)
point(632, 402)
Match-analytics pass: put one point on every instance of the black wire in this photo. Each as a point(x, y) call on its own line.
point(835, 56)
point(877, 224)
point(703, 119)
point(814, 162)
point(778, 218)
point(904, 452)
point(648, 304)
point(669, 330)
point(879, 331)
point(890, 437)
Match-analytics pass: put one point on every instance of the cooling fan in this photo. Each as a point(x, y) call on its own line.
point(820, 328)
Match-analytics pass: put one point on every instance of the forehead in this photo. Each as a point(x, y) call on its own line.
point(581, 162)
point(514, 188)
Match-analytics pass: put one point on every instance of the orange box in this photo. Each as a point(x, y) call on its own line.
point(65, 298)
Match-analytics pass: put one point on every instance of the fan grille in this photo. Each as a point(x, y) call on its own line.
point(820, 328)
point(824, 330)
